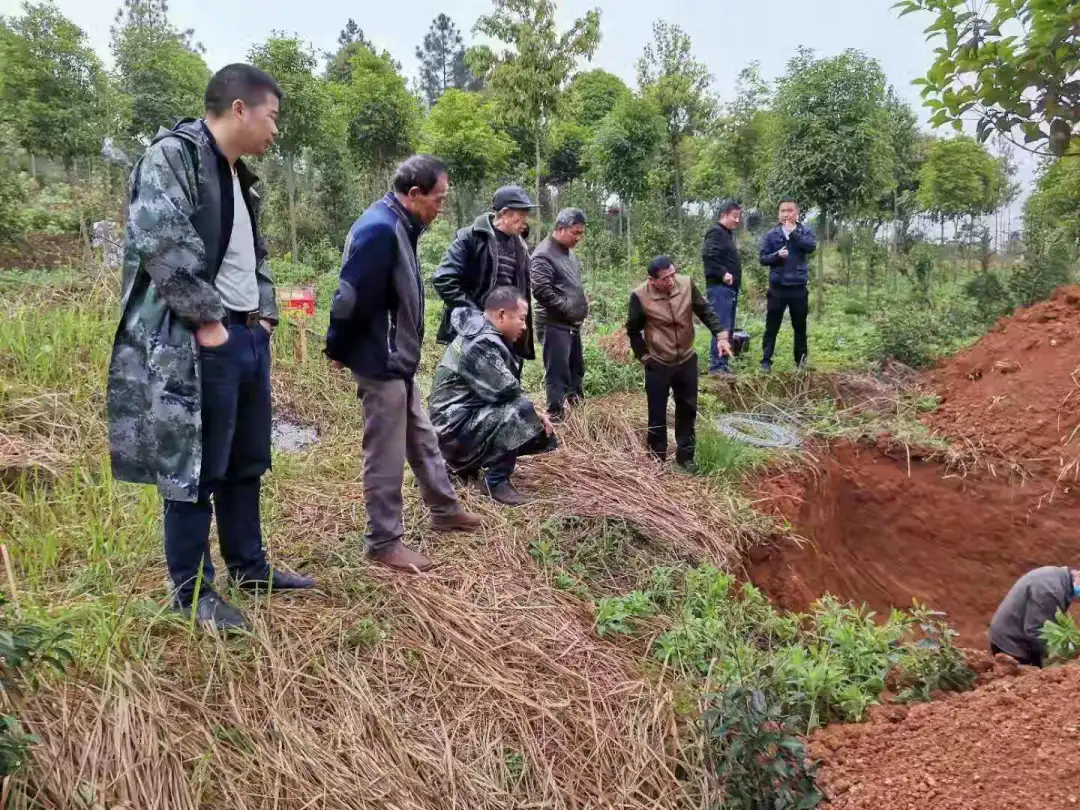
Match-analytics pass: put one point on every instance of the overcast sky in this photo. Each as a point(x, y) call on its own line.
point(726, 34)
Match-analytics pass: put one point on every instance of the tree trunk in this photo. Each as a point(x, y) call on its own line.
point(819, 299)
point(539, 212)
point(33, 166)
point(290, 172)
point(629, 242)
point(678, 187)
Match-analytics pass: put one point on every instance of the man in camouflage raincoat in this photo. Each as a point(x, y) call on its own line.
point(478, 408)
point(189, 386)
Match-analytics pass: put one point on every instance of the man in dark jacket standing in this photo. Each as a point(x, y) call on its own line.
point(189, 378)
point(660, 325)
point(377, 331)
point(489, 253)
point(561, 309)
point(723, 276)
point(1034, 600)
point(784, 251)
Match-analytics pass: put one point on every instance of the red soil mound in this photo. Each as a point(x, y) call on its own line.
point(1014, 394)
point(1012, 745)
point(880, 532)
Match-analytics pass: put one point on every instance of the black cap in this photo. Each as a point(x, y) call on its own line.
point(511, 197)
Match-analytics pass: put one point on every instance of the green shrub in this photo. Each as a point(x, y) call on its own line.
point(13, 197)
point(613, 614)
point(1062, 637)
point(604, 375)
point(1047, 265)
point(991, 296)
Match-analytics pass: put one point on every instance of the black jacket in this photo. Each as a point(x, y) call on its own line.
point(794, 271)
point(720, 255)
point(556, 280)
point(377, 315)
point(469, 271)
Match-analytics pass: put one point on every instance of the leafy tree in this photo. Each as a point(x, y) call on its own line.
point(442, 61)
point(1054, 205)
point(292, 63)
point(623, 150)
point(746, 128)
point(458, 129)
point(351, 41)
point(53, 89)
point(1013, 64)
point(158, 67)
point(960, 178)
point(529, 75)
point(678, 85)
point(382, 116)
point(589, 97)
point(828, 150)
point(909, 147)
point(712, 175)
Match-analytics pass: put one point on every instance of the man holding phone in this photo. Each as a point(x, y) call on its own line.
point(784, 250)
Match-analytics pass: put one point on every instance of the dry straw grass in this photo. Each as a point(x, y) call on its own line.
point(475, 686)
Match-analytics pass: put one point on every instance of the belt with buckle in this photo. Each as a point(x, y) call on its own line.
point(234, 318)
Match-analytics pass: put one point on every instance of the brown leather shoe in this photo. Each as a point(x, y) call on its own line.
point(401, 558)
point(460, 522)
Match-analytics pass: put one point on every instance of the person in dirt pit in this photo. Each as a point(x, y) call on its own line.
point(660, 325)
point(189, 378)
point(723, 276)
point(479, 409)
point(561, 309)
point(784, 251)
point(489, 253)
point(1034, 600)
point(377, 331)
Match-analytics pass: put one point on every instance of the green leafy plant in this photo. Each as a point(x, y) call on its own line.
point(933, 663)
point(1062, 637)
point(613, 614)
point(755, 751)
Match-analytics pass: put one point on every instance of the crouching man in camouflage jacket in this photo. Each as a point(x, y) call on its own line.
point(189, 380)
point(478, 407)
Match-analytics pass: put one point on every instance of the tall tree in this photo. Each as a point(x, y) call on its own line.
point(158, 67)
point(623, 150)
point(383, 116)
point(589, 97)
point(827, 149)
point(745, 128)
point(529, 75)
point(1013, 64)
point(53, 89)
point(442, 60)
point(678, 85)
point(960, 178)
point(351, 41)
point(458, 129)
point(292, 63)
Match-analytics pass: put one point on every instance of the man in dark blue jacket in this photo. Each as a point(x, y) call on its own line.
point(377, 332)
point(784, 250)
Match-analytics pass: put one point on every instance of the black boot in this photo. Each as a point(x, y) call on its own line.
point(213, 613)
point(273, 579)
point(507, 495)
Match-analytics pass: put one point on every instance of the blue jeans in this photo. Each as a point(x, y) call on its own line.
point(724, 300)
point(236, 452)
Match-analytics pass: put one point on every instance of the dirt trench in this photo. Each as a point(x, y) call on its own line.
point(881, 532)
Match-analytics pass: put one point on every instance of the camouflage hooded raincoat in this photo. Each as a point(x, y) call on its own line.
point(477, 405)
point(177, 233)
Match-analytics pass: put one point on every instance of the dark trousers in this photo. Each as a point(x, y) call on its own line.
point(1032, 660)
point(725, 301)
point(797, 302)
point(501, 470)
point(236, 452)
point(397, 431)
point(564, 366)
point(681, 382)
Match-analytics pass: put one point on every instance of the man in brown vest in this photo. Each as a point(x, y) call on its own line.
point(660, 326)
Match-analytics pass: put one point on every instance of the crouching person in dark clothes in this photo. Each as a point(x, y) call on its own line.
point(377, 331)
point(1034, 600)
point(189, 379)
point(479, 409)
point(660, 326)
point(561, 309)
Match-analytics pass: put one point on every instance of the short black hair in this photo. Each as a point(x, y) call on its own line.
point(419, 171)
point(244, 82)
point(658, 264)
point(569, 217)
point(727, 206)
point(505, 297)
point(791, 200)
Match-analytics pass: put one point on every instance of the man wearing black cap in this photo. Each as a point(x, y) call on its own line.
point(489, 253)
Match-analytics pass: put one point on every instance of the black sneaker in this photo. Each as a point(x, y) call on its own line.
point(766, 367)
point(214, 613)
point(274, 579)
point(505, 494)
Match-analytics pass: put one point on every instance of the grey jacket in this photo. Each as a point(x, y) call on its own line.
point(1034, 600)
point(178, 228)
point(556, 280)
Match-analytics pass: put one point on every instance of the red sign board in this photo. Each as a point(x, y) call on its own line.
point(298, 300)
